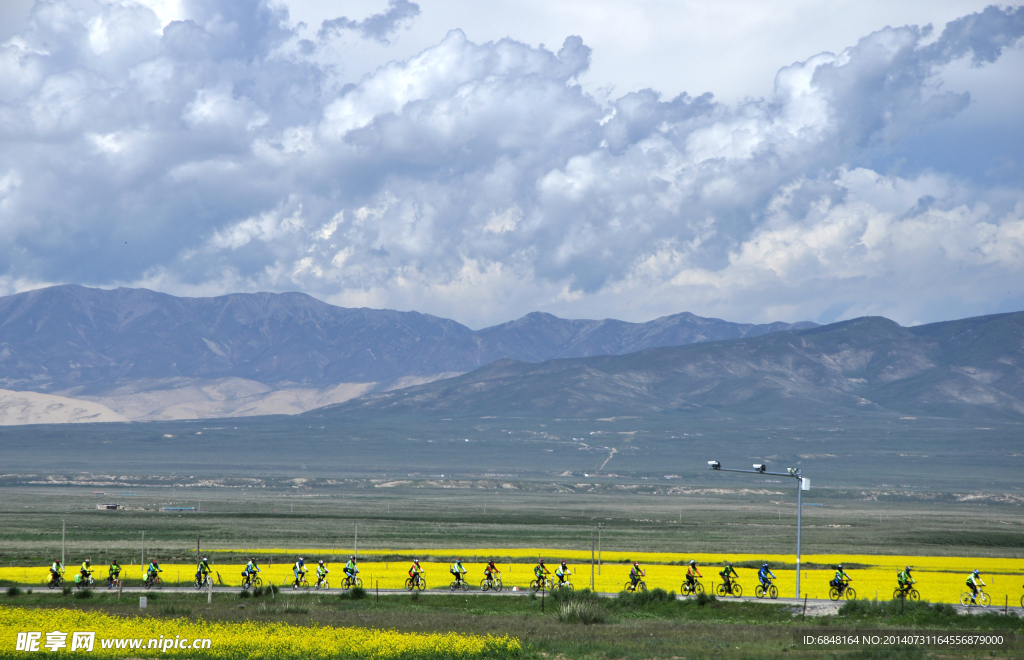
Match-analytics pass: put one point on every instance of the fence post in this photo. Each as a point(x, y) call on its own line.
point(804, 615)
point(209, 590)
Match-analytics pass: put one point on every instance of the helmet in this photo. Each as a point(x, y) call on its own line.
point(352, 558)
point(693, 562)
point(764, 565)
point(563, 563)
point(88, 561)
point(729, 563)
point(542, 561)
point(908, 568)
point(113, 562)
point(156, 563)
point(839, 567)
point(204, 558)
point(976, 572)
point(636, 563)
point(416, 561)
point(321, 561)
point(300, 559)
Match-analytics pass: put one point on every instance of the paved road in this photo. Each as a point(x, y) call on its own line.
point(812, 607)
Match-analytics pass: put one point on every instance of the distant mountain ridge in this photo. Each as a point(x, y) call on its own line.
point(966, 368)
point(85, 342)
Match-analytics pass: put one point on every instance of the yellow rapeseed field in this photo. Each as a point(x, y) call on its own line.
point(939, 579)
point(249, 640)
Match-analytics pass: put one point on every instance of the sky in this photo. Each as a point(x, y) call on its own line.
point(784, 161)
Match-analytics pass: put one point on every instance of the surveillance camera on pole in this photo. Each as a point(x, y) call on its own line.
point(802, 485)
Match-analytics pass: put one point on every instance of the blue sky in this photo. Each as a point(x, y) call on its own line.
point(750, 161)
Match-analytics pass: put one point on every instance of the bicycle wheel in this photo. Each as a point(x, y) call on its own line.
point(965, 598)
point(453, 586)
point(698, 588)
point(257, 582)
point(497, 586)
point(833, 594)
point(197, 584)
point(628, 587)
point(409, 584)
point(684, 589)
point(721, 590)
point(915, 595)
point(737, 589)
point(158, 582)
point(484, 586)
point(421, 584)
point(535, 586)
point(984, 599)
point(850, 593)
point(773, 591)
point(759, 591)
point(641, 586)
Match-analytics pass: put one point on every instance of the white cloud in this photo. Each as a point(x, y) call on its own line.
point(480, 180)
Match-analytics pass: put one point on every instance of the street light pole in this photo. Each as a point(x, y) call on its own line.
point(759, 468)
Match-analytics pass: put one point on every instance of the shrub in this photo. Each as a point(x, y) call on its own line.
point(355, 593)
point(703, 599)
point(66, 591)
point(83, 593)
point(244, 594)
point(644, 598)
point(580, 610)
point(415, 596)
point(13, 591)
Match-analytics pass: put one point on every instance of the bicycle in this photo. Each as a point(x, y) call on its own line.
point(252, 582)
point(691, 588)
point(490, 584)
point(83, 583)
point(56, 582)
point(982, 599)
point(153, 582)
point(733, 588)
point(908, 592)
point(459, 584)
point(300, 583)
point(771, 590)
point(563, 586)
point(418, 582)
point(543, 583)
point(640, 586)
point(844, 590)
point(113, 582)
point(351, 581)
point(202, 581)
point(322, 583)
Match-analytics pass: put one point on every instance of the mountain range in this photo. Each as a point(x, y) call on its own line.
point(149, 355)
point(967, 368)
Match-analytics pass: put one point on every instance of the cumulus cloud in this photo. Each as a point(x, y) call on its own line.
point(479, 181)
point(379, 27)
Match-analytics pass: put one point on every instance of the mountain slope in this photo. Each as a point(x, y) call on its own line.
point(960, 368)
point(84, 341)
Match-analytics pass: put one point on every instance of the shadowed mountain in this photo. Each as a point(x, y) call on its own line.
point(138, 344)
point(972, 367)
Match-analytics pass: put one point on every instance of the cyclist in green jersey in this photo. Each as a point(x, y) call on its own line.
point(727, 574)
point(974, 581)
point(458, 571)
point(113, 572)
point(562, 572)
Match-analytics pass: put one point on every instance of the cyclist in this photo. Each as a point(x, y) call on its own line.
point(152, 570)
point(490, 571)
point(202, 570)
point(321, 572)
point(56, 571)
point(458, 571)
point(727, 573)
point(635, 574)
point(86, 570)
point(841, 578)
point(764, 574)
point(113, 573)
point(563, 573)
point(351, 569)
point(300, 570)
point(540, 571)
point(250, 570)
point(904, 579)
point(415, 571)
point(692, 573)
point(974, 581)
